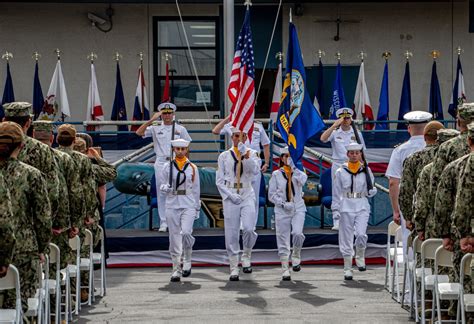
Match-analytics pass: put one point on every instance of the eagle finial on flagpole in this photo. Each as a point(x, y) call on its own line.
point(459, 50)
point(58, 53)
point(7, 56)
point(338, 56)
point(247, 3)
point(408, 54)
point(167, 56)
point(36, 56)
point(321, 53)
point(140, 55)
point(92, 56)
point(386, 55)
point(279, 56)
point(435, 54)
point(117, 56)
point(362, 55)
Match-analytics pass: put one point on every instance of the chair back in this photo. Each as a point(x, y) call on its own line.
point(443, 258)
point(54, 253)
point(392, 228)
point(417, 245)
point(89, 238)
point(11, 280)
point(75, 243)
point(428, 248)
point(465, 267)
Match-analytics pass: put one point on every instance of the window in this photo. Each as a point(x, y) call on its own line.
point(202, 33)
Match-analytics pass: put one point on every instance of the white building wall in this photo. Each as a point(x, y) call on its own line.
point(25, 28)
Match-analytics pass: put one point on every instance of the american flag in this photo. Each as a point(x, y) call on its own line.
point(241, 89)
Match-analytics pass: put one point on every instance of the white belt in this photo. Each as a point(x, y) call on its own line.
point(179, 192)
point(235, 185)
point(162, 158)
point(353, 195)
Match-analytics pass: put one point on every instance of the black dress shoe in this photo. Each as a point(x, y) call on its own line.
point(234, 278)
point(296, 268)
point(247, 269)
point(186, 273)
point(362, 268)
point(175, 279)
point(347, 277)
point(286, 278)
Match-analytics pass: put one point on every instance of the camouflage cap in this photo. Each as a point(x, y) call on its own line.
point(10, 132)
point(470, 131)
point(79, 145)
point(66, 130)
point(446, 134)
point(43, 126)
point(466, 112)
point(17, 109)
point(432, 128)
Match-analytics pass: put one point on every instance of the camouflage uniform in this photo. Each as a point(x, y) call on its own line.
point(412, 167)
point(32, 211)
point(7, 229)
point(37, 155)
point(424, 199)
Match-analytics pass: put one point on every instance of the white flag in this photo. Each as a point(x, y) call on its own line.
point(94, 106)
point(276, 96)
point(56, 104)
point(362, 106)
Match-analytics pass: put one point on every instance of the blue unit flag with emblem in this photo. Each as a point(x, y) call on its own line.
point(298, 119)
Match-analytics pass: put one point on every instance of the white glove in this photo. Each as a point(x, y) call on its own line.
point(198, 212)
point(288, 206)
point(291, 163)
point(372, 192)
point(242, 148)
point(336, 215)
point(166, 188)
point(235, 198)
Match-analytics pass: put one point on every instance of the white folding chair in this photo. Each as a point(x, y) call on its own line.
point(416, 275)
point(72, 271)
point(428, 252)
point(397, 264)
point(99, 258)
point(391, 251)
point(87, 264)
point(466, 301)
point(445, 290)
point(37, 303)
point(11, 281)
point(53, 286)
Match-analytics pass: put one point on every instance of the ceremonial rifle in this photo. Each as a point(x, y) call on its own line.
point(370, 185)
point(171, 153)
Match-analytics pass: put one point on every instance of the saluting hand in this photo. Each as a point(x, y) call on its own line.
point(156, 115)
point(338, 122)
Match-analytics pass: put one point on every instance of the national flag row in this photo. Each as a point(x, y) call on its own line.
point(362, 106)
point(55, 106)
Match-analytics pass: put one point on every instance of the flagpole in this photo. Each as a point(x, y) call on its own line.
point(117, 57)
point(142, 108)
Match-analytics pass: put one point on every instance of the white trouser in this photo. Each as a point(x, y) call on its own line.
point(350, 225)
point(160, 196)
point(286, 223)
point(233, 216)
point(256, 190)
point(335, 165)
point(180, 226)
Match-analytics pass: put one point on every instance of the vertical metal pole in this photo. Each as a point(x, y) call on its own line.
point(228, 48)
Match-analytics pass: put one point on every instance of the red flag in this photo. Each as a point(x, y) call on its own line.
point(362, 106)
point(94, 106)
point(166, 92)
point(276, 96)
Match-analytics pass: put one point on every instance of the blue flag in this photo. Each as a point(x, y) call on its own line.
point(383, 101)
point(8, 95)
point(119, 111)
point(318, 101)
point(436, 107)
point(405, 100)
point(298, 119)
point(459, 95)
point(338, 98)
point(38, 99)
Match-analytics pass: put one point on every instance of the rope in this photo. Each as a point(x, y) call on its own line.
point(194, 69)
point(268, 51)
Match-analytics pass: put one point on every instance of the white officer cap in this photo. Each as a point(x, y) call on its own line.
point(354, 147)
point(344, 112)
point(284, 150)
point(417, 117)
point(180, 143)
point(167, 107)
point(235, 130)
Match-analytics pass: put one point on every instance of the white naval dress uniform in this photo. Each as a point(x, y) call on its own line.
point(182, 208)
point(395, 169)
point(339, 140)
point(161, 135)
point(237, 212)
point(353, 206)
point(259, 136)
point(287, 221)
